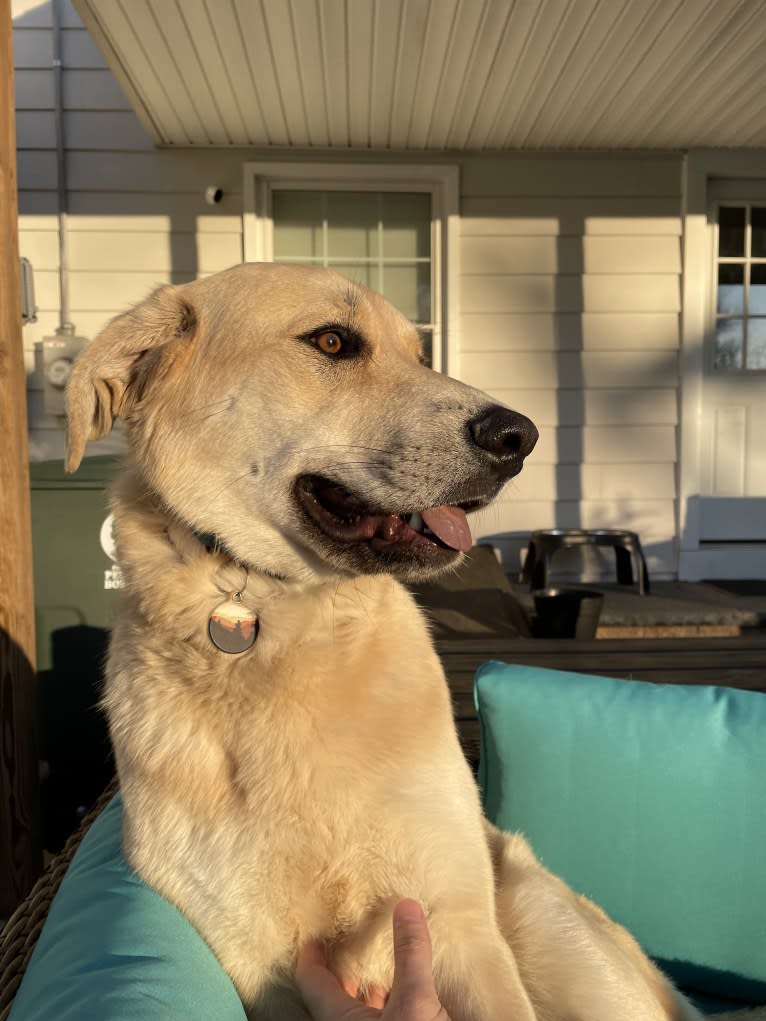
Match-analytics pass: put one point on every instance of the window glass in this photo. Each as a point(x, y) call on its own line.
point(409, 288)
point(729, 344)
point(756, 344)
point(758, 232)
point(739, 341)
point(352, 225)
point(731, 288)
point(756, 304)
point(382, 239)
point(407, 220)
point(731, 230)
point(300, 216)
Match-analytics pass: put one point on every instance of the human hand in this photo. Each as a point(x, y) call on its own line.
point(413, 995)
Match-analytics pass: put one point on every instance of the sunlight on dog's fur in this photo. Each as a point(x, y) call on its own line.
point(290, 455)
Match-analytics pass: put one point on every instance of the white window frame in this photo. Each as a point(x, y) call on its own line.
point(438, 180)
point(703, 169)
point(730, 193)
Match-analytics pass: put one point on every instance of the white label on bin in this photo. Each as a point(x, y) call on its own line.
point(108, 545)
point(112, 576)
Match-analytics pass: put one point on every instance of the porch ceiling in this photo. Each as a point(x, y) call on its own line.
point(441, 74)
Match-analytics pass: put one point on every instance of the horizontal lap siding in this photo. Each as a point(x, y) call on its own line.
point(137, 216)
point(570, 273)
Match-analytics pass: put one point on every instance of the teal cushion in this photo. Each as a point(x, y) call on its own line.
point(650, 799)
point(114, 950)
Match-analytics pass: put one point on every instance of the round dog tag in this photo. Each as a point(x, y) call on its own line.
point(232, 626)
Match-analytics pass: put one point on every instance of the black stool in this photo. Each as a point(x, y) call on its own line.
point(546, 542)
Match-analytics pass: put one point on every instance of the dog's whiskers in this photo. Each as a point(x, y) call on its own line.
point(348, 446)
point(232, 482)
point(334, 465)
point(203, 412)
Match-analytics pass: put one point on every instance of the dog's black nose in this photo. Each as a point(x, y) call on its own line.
point(504, 434)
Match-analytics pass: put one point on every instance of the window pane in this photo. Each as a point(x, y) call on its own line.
point(756, 344)
point(756, 303)
point(407, 225)
point(728, 344)
point(381, 239)
point(731, 292)
point(758, 232)
point(352, 224)
point(298, 218)
point(409, 289)
point(731, 230)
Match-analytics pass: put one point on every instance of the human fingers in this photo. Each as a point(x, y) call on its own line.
point(321, 991)
point(375, 997)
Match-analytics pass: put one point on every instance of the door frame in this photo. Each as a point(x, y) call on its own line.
point(697, 560)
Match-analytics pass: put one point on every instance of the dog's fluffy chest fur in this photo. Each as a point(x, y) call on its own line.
point(254, 753)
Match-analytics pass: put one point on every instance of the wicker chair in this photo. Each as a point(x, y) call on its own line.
point(20, 933)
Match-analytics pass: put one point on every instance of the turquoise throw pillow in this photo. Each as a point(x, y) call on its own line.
point(649, 799)
point(112, 949)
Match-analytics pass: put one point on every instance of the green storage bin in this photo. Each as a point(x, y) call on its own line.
point(76, 587)
point(76, 579)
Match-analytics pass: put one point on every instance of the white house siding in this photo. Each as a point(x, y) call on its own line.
point(570, 299)
point(569, 282)
point(136, 216)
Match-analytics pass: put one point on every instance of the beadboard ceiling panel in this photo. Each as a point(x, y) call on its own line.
point(440, 74)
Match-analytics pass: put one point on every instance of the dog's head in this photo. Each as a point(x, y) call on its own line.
point(287, 411)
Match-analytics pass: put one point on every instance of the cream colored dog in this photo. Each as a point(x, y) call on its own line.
point(290, 458)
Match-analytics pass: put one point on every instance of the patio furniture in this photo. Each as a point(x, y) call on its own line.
point(737, 662)
point(472, 600)
point(567, 613)
point(545, 543)
point(649, 800)
point(19, 935)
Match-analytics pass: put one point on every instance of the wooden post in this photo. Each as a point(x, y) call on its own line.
point(20, 857)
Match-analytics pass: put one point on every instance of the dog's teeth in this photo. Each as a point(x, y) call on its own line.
point(416, 522)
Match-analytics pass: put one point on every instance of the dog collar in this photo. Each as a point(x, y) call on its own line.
point(213, 544)
point(210, 541)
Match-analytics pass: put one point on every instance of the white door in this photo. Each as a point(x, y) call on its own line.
point(732, 508)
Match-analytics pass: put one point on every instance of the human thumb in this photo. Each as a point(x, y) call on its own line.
point(413, 986)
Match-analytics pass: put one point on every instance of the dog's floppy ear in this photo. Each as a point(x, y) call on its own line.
point(104, 378)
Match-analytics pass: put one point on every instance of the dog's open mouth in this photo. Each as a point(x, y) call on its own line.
point(345, 518)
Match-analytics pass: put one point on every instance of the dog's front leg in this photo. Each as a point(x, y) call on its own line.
point(476, 974)
point(576, 963)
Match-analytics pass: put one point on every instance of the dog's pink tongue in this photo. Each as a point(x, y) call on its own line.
point(450, 525)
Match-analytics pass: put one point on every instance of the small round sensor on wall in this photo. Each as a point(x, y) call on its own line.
point(213, 194)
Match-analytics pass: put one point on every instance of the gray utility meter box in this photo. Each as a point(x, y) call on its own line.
point(59, 355)
point(76, 573)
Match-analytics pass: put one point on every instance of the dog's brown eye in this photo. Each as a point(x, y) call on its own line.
point(329, 342)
